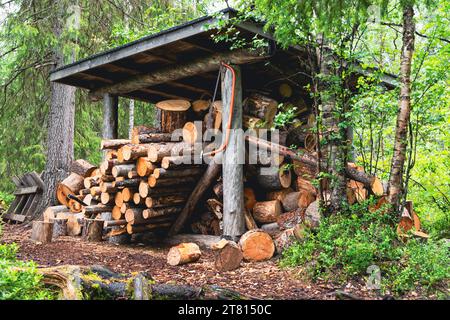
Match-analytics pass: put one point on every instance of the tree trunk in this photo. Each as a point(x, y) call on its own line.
point(130, 118)
point(233, 158)
point(400, 143)
point(42, 231)
point(334, 155)
point(60, 129)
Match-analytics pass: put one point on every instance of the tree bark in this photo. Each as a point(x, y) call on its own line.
point(395, 188)
point(60, 129)
point(232, 167)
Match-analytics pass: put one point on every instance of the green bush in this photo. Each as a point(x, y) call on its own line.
point(18, 279)
point(345, 245)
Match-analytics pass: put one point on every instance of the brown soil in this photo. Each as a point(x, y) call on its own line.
point(264, 280)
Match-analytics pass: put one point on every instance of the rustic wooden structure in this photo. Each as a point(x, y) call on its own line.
point(27, 195)
point(182, 63)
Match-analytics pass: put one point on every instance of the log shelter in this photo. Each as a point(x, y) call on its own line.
point(183, 63)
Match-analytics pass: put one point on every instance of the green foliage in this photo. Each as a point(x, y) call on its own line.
point(5, 199)
point(345, 245)
point(19, 280)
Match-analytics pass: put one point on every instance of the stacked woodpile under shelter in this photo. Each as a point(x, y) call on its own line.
point(145, 182)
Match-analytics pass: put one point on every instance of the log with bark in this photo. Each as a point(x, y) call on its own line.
point(59, 227)
point(267, 211)
point(260, 106)
point(71, 185)
point(92, 230)
point(256, 245)
point(183, 253)
point(75, 224)
point(273, 178)
point(228, 255)
point(82, 167)
point(42, 231)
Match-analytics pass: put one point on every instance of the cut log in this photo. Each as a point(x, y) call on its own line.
point(166, 201)
point(261, 107)
point(82, 167)
point(267, 211)
point(114, 223)
point(215, 207)
point(152, 182)
point(187, 172)
point(192, 133)
point(122, 170)
point(133, 151)
point(107, 198)
point(51, 212)
point(305, 185)
point(273, 178)
point(180, 161)
point(138, 130)
point(118, 236)
point(117, 213)
point(273, 229)
point(106, 187)
point(278, 194)
point(284, 240)
point(141, 228)
point(134, 216)
point(91, 210)
point(156, 152)
point(305, 199)
point(128, 183)
point(313, 215)
point(172, 120)
point(199, 106)
point(127, 194)
point(113, 143)
point(291, 201)
point(144, 167)
point(229, 257)
point(203, 184)
point(249, 198)
point(70, 185)
point(250, 223)
point(59, 227)
point(257, 245)
point(158, 212)
point(183, 253)
point(118, 199)
point(174, 105)
point(42, 231)
point(138, 200)
point(156, 138)
point(92, 230)
point(75, 224)
point(132, 175)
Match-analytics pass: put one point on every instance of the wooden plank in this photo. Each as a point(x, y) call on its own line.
point(17, 199)
point(14, 217)
point(29, 198)
point(232, 166)
point(36, 198)
point(26, 190)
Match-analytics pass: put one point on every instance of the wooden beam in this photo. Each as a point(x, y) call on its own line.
point(232, 166)
point(176, 72)
point(188, 87)
point(163, 94)
point(110, 116)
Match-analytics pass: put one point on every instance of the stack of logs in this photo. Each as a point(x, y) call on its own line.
point(142, 187)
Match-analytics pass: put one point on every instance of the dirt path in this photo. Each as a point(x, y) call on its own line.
point(262, 280)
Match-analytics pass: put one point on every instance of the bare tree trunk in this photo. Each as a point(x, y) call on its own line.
point(334, 154)
point(395, 188)
point(60, 134)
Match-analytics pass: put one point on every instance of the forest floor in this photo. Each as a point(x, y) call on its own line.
point(264, 280)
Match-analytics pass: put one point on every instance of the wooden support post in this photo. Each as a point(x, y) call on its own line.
point(110, 116)
point(232, 166)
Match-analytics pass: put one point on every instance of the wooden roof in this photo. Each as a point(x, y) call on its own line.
point(176, 45)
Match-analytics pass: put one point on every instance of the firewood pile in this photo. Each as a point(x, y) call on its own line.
point(144, 183)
